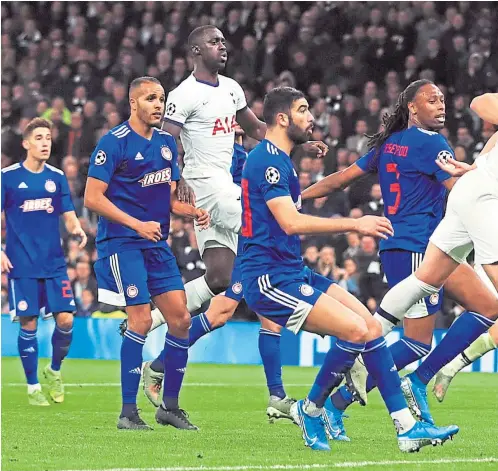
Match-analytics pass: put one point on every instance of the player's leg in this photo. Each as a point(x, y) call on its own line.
point(24, 301)
point(220, 310)
point(122, 281)
point(58, 299)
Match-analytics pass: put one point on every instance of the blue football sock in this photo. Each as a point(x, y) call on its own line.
point(269, 349)
point(404, 352)
point(467, 328)
point(379, 363)
point(200, 326)
point(175, 363)
point(339, 360)
point(131, 368)
point(61, 341)
point(27, 344)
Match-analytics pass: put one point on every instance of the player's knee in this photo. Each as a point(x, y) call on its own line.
point(29, 323)
point(374, 328)
point(358, 332)
point(179, 323)
point(218, 281)
point(64, 320)
point(140, 324)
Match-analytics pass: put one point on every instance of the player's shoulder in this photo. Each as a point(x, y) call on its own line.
point(227, 81)
point(165, 136)
point(53, 169)
point(266, 154)
point(426, 137)
point(119, 132)
point(11, 168)
point(184, 86)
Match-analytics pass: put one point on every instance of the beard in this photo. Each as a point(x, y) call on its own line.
point(297, 135)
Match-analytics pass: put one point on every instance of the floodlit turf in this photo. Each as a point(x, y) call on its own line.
point(228, 404)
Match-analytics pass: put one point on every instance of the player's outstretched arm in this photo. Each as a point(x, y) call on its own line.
point(486, 107)
point(293, 222)
point(179, 208)
point(335, 181)
point(73, 227)
point(95, 200)
point(250, 123)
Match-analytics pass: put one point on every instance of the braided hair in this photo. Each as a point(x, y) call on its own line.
point(398, 119)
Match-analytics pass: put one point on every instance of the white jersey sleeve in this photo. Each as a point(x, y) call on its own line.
point(206, 112)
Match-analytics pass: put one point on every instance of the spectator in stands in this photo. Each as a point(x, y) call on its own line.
point(84, 280)
point(375, 207)
point(86, 304)
point(359, 141)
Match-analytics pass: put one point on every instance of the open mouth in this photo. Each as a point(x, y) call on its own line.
point(157, 115)
point(224, 56)
point(441, 118)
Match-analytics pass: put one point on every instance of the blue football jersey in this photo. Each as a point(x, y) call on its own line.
point(139, 173)
point(239, 158)
point(33, 203)
point(411, 185)
point(268, 173)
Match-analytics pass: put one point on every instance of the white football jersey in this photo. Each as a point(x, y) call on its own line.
point(489, 162)
point(206, 114)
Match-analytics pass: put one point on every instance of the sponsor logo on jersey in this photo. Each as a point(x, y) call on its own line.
point(306, 290)
point(156, 178)
point(272, 175)
point(434, 299)
point(237, 287)
point(166, 153)
point(22, 185)
point(100, 158)
point(50, 186)
point(22, 305)
point(224, 125)
point(139, 156)
point(40, 204)
point(132, 291)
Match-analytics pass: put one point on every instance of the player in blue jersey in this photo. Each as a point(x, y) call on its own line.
point(414, 189)
point(34, 196)
point(132, 186)
point(278, 286)
point(221, 309)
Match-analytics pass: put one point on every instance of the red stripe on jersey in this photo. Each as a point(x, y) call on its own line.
point(247, 219)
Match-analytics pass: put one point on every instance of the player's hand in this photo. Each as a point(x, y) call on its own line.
point(6, 265)
point(79, 232)
point(150, 230)
point(374, 226)
point(185, 193)
point(454, 167)
point(202, 218)
point(315, 148)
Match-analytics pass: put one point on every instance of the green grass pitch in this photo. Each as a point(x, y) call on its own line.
point(228, 404)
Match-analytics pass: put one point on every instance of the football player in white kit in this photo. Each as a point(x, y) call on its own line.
point(204, 111)
point(470, 222)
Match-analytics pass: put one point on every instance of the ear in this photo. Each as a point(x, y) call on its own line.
point(133, 103)
point(25, 144)
point(282, 119)
point(412, 107)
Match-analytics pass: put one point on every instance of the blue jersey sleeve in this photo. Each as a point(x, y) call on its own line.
point(436, 146)
point(66, 202)
point(175, 169)
point(368, 163)
point(274, 181)
point(104, 159)
point(4, 191)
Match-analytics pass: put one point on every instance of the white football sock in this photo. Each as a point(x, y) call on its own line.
point(197, 292)
point(34, 387)
point(157, 319)
point(403, 420)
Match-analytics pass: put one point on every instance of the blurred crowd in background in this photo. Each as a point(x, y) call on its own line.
point(72, 62)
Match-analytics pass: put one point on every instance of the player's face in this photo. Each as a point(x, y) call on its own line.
point(429, 107)
point(213, 50)
point(39, 144)
point(300, 122)
point(150, 104)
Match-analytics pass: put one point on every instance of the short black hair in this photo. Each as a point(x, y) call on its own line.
point(139, 81)
point(36, 123)
point(195, 36)
point(279, 100)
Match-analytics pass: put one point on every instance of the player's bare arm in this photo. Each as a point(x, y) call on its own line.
point(250, 123)
point(73, 226)
point(293, 222)
point(336, 181)
point(486, 107)
point(95, 200)
point(179, 208)
point(184, 192)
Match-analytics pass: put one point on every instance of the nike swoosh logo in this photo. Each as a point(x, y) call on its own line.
point(238, 199)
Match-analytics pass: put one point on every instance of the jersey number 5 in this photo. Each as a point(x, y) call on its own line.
point(394, 188)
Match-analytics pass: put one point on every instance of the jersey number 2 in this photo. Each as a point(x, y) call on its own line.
point(67, 292)
point(394, 188)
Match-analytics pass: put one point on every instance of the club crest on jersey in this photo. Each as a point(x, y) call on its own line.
point(237, 287)
point(100, 158)
point(434, 299)
point(22, 305)
point(132, 291)
point(306, 290)
point(272, 175)
point(50, 186)
point(156, 178)
point(40, 204)
point(166, 153)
